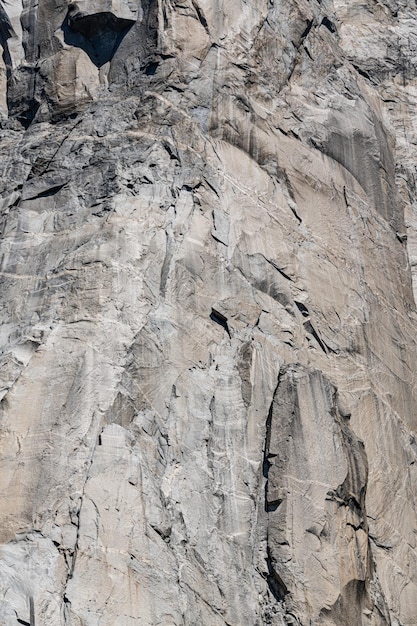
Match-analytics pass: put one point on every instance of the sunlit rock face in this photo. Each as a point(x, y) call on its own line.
point(208, 398)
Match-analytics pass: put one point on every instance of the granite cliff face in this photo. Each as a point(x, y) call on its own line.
point(209, 227)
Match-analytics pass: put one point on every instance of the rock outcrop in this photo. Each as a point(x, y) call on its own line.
point(209, 231)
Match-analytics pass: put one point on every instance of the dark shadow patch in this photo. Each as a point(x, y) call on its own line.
point(220, 319)
point(272, 505)
point(307, 29)
point(347, 609)
point(328, 24)
point(99, 34)
point(6, 32)
point(51, 191)
point(302, 308)
point(22, 97)
point(312, 331)
point(150, 68)
point(28, 115)
point(362, 73)
point(275, 583)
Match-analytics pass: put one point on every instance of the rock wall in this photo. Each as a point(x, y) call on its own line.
point(209, 227)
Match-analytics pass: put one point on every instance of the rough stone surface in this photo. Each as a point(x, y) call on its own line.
point(209, 231)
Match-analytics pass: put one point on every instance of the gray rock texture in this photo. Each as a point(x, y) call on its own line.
point(208, 374)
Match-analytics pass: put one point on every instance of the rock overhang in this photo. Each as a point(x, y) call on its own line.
point(98, 28)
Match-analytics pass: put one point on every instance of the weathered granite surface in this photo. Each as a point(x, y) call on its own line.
point(208, 375)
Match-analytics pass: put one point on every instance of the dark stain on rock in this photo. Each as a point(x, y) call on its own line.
point(244, 366)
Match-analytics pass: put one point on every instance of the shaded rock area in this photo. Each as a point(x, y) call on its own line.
point(98, 34)
point(208, 251)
